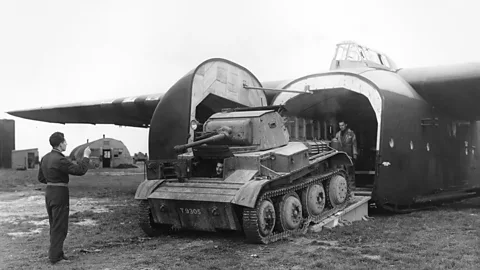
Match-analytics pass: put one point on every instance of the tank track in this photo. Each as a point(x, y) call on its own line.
point(146, 223)
point(250, 221)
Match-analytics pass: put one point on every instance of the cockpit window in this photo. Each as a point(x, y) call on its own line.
point(354, 54)
point(385, 60)
point(373, 56)
point(342, 51)
point(351, 51)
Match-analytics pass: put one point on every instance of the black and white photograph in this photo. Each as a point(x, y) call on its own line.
point(218, 134)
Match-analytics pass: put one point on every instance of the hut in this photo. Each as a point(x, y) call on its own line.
point(24, 159)
point(106, 153)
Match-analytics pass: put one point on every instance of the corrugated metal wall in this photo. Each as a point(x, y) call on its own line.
point(7, 142)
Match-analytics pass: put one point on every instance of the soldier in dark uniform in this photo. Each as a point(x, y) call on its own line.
point(54, 171)
point(348, 144)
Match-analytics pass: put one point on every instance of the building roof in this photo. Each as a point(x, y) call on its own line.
point(82, 147)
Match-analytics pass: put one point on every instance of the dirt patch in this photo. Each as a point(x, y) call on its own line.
point(90, 204)
point(39, 223)
point(86, 222)
point(32, 204)
point(197, 243)
point(372, 257)
point(20, 208)
point(28, 233)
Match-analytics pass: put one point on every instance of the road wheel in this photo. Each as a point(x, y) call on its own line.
point(337, 190)
point(258, 223)
point(266, 217)
point(289, 212)
point(313, 200)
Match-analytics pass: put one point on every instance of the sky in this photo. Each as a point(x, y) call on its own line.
point(54, 52)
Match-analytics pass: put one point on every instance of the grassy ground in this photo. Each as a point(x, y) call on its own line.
point(446, 237)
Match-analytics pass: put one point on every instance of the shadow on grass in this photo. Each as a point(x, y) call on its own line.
point(235, 236)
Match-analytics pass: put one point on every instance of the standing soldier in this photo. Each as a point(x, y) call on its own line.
point(54, 171)
point(348, 144)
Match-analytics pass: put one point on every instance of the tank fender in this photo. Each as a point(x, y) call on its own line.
point(341, 158)
point(146, 188)
point(248, 193)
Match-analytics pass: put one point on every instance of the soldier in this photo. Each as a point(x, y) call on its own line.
point(348, 143)
point(219, 170)
point(54, 171)
point(347, 139)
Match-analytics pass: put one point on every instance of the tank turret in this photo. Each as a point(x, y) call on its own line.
point(243, 130)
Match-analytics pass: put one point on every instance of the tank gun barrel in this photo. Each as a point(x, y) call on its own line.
point(224, 133)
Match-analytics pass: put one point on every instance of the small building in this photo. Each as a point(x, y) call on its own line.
point(140, 157)
point(7, 142)
point(24, 159)
point(106, 153)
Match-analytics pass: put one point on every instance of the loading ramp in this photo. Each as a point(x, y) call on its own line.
point(356, 210)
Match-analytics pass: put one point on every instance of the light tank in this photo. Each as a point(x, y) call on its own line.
point(243, 173)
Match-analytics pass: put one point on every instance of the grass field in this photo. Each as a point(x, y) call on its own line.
point(103, 234)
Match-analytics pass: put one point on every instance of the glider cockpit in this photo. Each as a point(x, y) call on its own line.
point(350, 55)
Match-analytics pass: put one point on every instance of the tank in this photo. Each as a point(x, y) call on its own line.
point(242, 173)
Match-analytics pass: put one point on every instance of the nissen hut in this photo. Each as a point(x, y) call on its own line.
point(106, 153)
